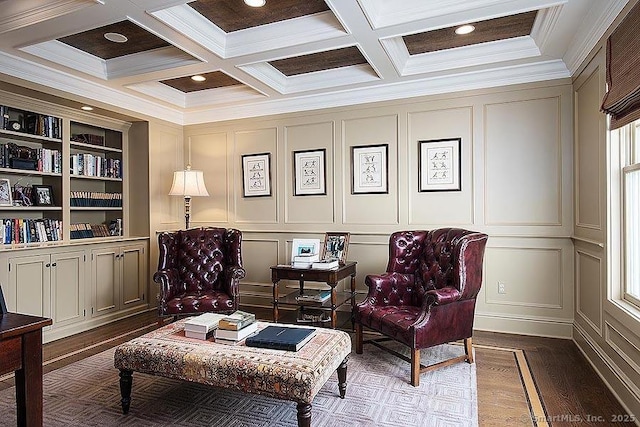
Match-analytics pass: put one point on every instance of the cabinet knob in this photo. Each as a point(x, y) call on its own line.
point(53, 264)
point(47, 265)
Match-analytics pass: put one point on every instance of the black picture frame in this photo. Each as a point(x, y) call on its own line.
point(256, 175)
point(370, 169)
point(43, 195)
point(310, 172)
point(440, 165)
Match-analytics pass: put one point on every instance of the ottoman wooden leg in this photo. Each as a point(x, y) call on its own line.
point(125, 389)
point(304, 414)
point(342, 377)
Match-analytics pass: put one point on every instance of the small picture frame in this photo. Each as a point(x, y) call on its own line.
point(336, 246)
point(305, 247)
point(369, 166)
point(309, 172)
point(43, 195)
point(5, 192)
point(439, 165)
point(256, 175)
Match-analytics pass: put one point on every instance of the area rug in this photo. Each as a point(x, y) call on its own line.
point(86, 393)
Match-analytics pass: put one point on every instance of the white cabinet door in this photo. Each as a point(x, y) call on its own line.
point(105, 280)
point(133, 269)
point(30, 280)
point(68, 287)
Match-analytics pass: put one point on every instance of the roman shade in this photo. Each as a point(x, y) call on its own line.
point(622, 100)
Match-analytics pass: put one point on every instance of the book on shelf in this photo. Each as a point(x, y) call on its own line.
point(306, 258)
point(237, 320)
point(288, 338)
point(301, 264)
point(203, 323)
point(236, 335)
point(326, 264)
point(313, 296)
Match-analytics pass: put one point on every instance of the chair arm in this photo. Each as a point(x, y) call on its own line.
point(434, 297)
point(388, 289)
point(233, 274)
point(168, 280)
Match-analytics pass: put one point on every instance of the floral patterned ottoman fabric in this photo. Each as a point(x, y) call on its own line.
point(288, 375)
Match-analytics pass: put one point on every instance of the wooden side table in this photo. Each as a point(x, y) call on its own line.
point(330, 277)
point(21, 351)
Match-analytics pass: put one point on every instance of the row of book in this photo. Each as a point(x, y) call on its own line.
point(87, 231)
point(26, 230)
point(314, 261)
point(241, 326)
point(86, 164)
point(95, 199)
point(31, 123)
point(40, 159)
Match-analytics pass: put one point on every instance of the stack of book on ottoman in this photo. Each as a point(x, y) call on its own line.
point(202, 326)
point(281, 337)
point(235, 327)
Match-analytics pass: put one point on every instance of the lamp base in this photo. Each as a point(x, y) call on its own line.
point(187, 211)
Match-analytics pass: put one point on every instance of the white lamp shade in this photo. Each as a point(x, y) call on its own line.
point(188, 183)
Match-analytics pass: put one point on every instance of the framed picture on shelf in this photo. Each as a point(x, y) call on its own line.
point(5, 193)
point(369, 168)
point(256, 175)
point(42, 195)
point(439, 165)
point(305, 247)
point(336, 246)
point(309, 172)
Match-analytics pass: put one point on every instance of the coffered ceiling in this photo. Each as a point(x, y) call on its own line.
point(290, 55)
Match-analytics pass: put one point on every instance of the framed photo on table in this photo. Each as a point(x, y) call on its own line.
point(439, 165)
point(256, 175)
point(305, 247)
point(42, 195)
point(336, 246)
point(5, 193)
point(309, 172)
point(369, 167)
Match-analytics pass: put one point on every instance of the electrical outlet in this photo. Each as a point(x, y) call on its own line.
point(501, 288)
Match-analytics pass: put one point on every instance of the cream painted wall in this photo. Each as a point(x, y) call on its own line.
point(516, 186)
point(606, 329)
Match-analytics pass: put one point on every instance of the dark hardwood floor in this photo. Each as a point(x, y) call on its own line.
point(564, 384)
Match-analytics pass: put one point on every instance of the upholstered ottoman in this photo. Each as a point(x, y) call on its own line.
point(295, 376)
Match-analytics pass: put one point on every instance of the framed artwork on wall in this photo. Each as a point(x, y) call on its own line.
point(309, 172)
point(256, 175)
point(439, 165)
point(369, 167)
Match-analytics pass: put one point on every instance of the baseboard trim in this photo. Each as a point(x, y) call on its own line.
point(552, 328)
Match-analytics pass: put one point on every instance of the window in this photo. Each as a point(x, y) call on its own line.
point(631, 216)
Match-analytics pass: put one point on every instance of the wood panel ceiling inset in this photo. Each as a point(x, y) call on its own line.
point(213, 80)
point(486, 31)
point(234, 15)
point(93, 41)
point(319, 61)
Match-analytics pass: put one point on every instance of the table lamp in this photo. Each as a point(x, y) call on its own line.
point(188, 183)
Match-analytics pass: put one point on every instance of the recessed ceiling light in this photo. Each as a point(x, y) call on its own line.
point(86, 108)
point(198, 78)
point(116, 37)
point(255, 3)
point(465, 29)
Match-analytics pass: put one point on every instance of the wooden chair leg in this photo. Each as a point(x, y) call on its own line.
point(468, 349)
point(415, 367)
point(160, 322)
point(358, 338)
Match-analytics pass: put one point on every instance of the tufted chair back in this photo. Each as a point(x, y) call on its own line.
point(200, 255)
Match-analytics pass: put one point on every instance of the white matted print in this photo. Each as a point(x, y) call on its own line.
point(256, 174)
point(305, 247)
point(5, 193)
point(440, 165)
point(309, 172)
point(370, 169)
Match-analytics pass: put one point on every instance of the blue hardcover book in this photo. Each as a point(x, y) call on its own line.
point(281, 338)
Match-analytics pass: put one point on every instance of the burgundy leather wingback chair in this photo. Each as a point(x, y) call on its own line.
point(199, 271)
point(427, 296)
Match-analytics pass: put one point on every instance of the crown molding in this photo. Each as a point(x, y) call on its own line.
point(21, 13)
